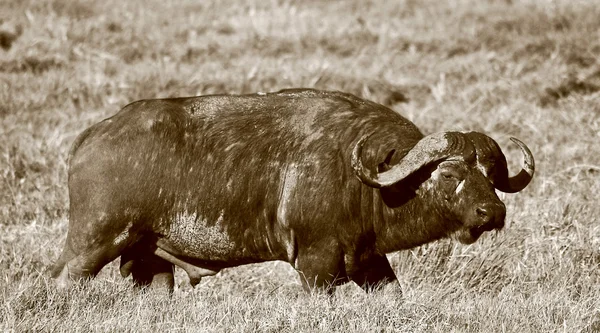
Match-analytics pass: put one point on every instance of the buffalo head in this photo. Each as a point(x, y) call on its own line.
point(457, 176)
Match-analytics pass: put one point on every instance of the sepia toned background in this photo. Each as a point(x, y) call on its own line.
point(523, 68)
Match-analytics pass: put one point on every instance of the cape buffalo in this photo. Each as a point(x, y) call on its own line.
point(324, 180)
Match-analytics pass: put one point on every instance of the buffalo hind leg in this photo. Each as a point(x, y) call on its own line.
point(374, 273)
point(95, 238)
point(85, 264)
point(147, 269)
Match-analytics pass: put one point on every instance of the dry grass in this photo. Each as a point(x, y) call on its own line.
point(520, 68)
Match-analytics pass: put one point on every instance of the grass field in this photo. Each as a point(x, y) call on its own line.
point(523, 68)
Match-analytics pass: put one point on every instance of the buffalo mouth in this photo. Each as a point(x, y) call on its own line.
point(471, 235)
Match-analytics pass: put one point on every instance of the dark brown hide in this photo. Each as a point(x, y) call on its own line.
point(211, 182)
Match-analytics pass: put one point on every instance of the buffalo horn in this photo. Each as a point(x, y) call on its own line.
point(429, 149)
point(521, 180)
point(493, 162)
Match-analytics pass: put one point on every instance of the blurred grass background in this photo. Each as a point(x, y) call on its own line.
point(523, 68)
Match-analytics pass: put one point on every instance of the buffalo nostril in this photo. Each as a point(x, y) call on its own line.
point(482, 211)
point(484, 214)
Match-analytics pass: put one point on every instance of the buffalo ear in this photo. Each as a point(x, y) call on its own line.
point(385, 165)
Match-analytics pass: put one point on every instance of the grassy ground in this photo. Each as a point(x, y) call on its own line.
point(529, 69)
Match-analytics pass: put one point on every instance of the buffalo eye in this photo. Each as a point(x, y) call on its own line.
point(449, 182)
point(448, 175)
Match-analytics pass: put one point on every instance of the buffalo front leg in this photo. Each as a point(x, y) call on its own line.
point(373, 273)
point(321, 268)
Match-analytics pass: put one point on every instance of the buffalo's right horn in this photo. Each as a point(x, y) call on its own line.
point(429, 149)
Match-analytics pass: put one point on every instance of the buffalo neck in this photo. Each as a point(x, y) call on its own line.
point(407, 220)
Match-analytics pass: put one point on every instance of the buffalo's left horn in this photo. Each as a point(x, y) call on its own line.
point(521, 180)
point(493, 162)
point(429, 149)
